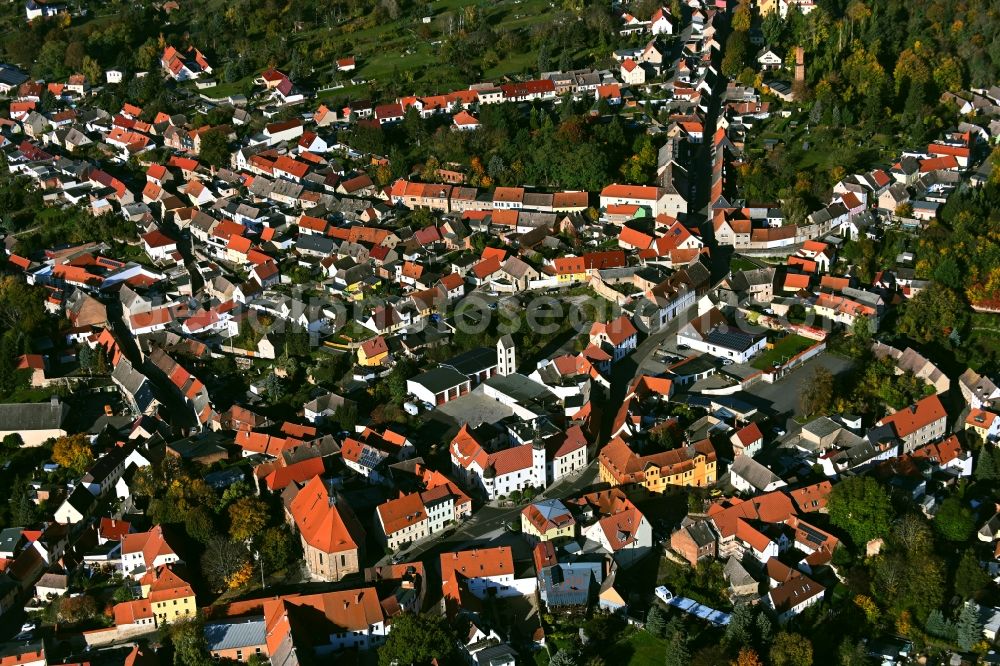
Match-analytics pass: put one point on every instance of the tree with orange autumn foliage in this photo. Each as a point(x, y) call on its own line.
point(747, 657)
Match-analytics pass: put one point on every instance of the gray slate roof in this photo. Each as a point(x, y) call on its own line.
point(33, 416)
point(236, 634)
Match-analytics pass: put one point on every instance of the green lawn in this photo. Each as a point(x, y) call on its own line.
point(638, 649)
point(784, 349)
point(739, 263)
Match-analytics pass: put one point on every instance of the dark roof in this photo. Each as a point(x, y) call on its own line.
point(12, 76)
point(81, 500)
point(570, 584)
point(474, 360)
point(730, 339)
point(190, 449)
point(106, 464)
point(33, 416)
point(440, 379)
point(10, 538)
point(313, 243)
point(701, 533)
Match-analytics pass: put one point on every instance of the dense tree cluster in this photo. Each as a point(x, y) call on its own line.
point(562, 148)
point(231, 529)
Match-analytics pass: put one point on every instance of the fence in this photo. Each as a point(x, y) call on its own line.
point(775, 374)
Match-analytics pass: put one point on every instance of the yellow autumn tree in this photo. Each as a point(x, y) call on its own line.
point(73, 452)
point(247, 518)
point(868, 607)
point(241, 576)
point(904, 623)
point(911, 66)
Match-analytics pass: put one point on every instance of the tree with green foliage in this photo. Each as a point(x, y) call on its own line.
point(11, 443)
point(21, 306)
point(986, 465)
point(938, 626)
point(739, 631)
point(277, 548)
point(764, 628)
point(677, 652)
point(860, 506)
point(954, 521)
point(418, 639)
point(23, 511)
point(853, 653)
point(818, 393)
point(909, 576)
point(656, 621)
point(565, 657)
point(933, 314)
point(970, 578)
point(187, 636)
point(790, 649)
point(968, 631)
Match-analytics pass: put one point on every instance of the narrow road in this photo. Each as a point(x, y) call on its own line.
point(176, 413)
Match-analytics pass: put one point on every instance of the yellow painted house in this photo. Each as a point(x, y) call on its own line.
point(171, 598)
point(569, 270)
point(373, 352)
point(548, 520)
point(691, 465)
point(984, 423)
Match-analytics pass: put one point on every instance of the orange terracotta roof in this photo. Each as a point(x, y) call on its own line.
point(477, 563)
point(325, 523)
point(401, 513)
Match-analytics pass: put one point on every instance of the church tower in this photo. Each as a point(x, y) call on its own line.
point(539, 465)
point(506, 363)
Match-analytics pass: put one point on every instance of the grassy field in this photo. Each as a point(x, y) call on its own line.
point(408, 52)
point(638, 649)
point(742, 264)
point(983, 340)
point(788, 346)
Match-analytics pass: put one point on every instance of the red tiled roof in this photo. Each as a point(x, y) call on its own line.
point(401, 513)
point(642, 192)
point(325, 524)
point(476, 563)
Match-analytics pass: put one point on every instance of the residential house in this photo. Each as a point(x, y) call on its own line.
point(548, 520)
point(984, 423)
point(625, 533)
point(618, 338)
point(481, 572)
point(749, 476)
point(747, 441)
point(694, 541)
point(145, 551)
point(918, 424)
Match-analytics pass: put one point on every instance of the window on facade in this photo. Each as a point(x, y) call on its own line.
point(343, 560)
